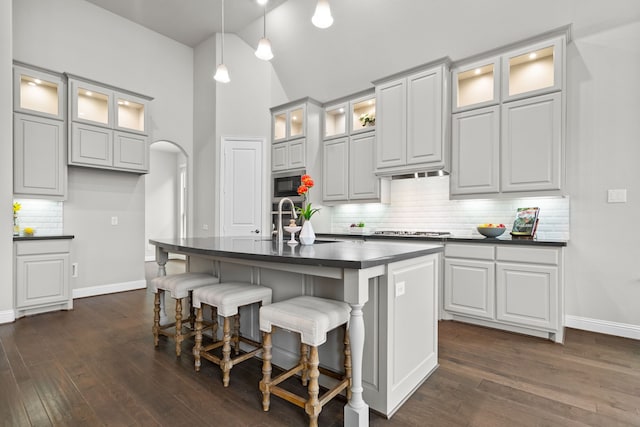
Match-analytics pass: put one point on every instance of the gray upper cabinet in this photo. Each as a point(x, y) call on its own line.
point(39, 130)
point(524, 126)
point(363, 184)
point(109, 127)
point(411, 131)
point(335, 173)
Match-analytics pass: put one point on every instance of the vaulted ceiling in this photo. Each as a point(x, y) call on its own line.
point(370, 39)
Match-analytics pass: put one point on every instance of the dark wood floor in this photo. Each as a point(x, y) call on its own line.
point(96, 365)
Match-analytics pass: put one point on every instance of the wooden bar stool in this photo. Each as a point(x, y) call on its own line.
point(227, 298)
point(312, 318)
point(180, 286)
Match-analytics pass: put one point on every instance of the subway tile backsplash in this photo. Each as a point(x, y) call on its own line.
point(423, 204)
point(44, 216)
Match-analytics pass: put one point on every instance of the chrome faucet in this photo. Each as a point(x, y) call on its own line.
point(293, 213)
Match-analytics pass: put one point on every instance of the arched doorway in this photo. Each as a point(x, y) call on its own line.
point(166, 193)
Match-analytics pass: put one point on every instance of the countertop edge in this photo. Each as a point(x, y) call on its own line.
point(451, 239)
point(56, 237)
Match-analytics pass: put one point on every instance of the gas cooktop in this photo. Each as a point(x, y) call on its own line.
point(413, 233)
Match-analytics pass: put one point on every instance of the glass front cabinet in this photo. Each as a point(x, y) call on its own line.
point(109, 127)
point(38, 92)
point(476, 85)
point(289, 123)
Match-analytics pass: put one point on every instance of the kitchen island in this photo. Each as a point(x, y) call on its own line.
point(392, 289)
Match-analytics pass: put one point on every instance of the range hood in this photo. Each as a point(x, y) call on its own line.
point(440, 172)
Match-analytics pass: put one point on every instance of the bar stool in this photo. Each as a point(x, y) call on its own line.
point(312, 318)
point(225, 299)
point(180, 286)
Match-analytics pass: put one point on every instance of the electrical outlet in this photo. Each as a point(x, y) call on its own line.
point(617, 196)
point(399, 289)
point(114, 220)
point(205, 226)
point(74, 269)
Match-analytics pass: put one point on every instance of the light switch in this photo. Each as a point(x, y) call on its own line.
point(399, 289)
point(617, 196)
point(114, 220)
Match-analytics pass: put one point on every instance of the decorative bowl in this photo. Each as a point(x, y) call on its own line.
point(491, 231)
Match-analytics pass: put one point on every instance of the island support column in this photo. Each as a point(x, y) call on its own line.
point(356, 294)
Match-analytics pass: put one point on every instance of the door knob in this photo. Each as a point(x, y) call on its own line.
point(256, 231)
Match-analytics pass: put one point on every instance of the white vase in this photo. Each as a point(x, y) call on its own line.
point(307, 236)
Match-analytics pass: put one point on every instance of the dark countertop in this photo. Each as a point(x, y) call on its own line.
point(356, 255)
point(59, 236)
point(505, 239)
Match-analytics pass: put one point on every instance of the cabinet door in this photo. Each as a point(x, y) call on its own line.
point(42, 279)
point(296, 150)
point(130, 151)
point(39, 157)
point(91, 145)
point(279, 129)
point(131, 113)
point(475, 166)
point(279, 156)
point(476, 85)
point(37, 92)
point(391, 124)
point(297, 125)
point(91, 104)
point(335, 173)
point(532, 144)
point(527, 294)
point(363, 183)
point(469, 287)
point(424, 117)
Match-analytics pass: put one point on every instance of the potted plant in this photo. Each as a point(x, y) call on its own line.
point(307, 235)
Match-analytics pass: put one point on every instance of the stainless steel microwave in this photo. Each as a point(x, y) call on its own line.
point(285, 184)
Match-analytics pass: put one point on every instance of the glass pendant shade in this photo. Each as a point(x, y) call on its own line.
point(222, 74)
point(322, 17)
point(264, 49)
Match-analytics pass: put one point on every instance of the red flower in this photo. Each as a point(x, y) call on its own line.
point(306, 181)
point(302, 190)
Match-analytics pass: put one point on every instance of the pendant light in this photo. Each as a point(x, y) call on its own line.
point(322, 17)
point(264, 45)
point(222, 74)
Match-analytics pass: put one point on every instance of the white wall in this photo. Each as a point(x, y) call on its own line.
point(77, 37)
point(6, 165)
point(603, 272)
point(162, 187)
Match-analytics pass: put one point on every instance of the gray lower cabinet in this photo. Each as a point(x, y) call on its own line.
point(39, 156)
point(42, 276)
point(509, 287)
point(95, 146)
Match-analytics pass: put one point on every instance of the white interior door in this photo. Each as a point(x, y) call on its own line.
point(242, 187)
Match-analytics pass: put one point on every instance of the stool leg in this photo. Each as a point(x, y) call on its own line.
point(265, 384)
point(236, 333)
point(214, 321)
point(304, 361)
point(198, 346)
point(192, 317)
point(225, 363)
point(156, 317)
point(179, 336)
point(312, 407)
point(347, 361)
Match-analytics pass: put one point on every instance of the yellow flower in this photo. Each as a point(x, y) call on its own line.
point(16, 207)
point(28, 231)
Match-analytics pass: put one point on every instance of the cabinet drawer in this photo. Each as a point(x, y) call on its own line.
point(469, 251)
point(42, 247)
point(528, 255)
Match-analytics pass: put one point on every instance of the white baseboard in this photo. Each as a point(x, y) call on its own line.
point(108, 289)
point(7, 316)
point(603, 326)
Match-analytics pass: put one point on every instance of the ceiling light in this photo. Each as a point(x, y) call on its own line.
point(222, 74)
point(31, 83)
point(262, 2)
point(322, 17)
point(477, 71)
point(532, 55)
point(88, 93)
point(264, 45)
point(37, 81)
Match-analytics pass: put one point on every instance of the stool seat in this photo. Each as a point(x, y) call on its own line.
point(225, 299)
point(228, 296)
point(311, 317)
point(179, 285)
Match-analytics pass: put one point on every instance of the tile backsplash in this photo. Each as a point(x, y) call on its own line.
point(423, 204)
point(44, 216)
